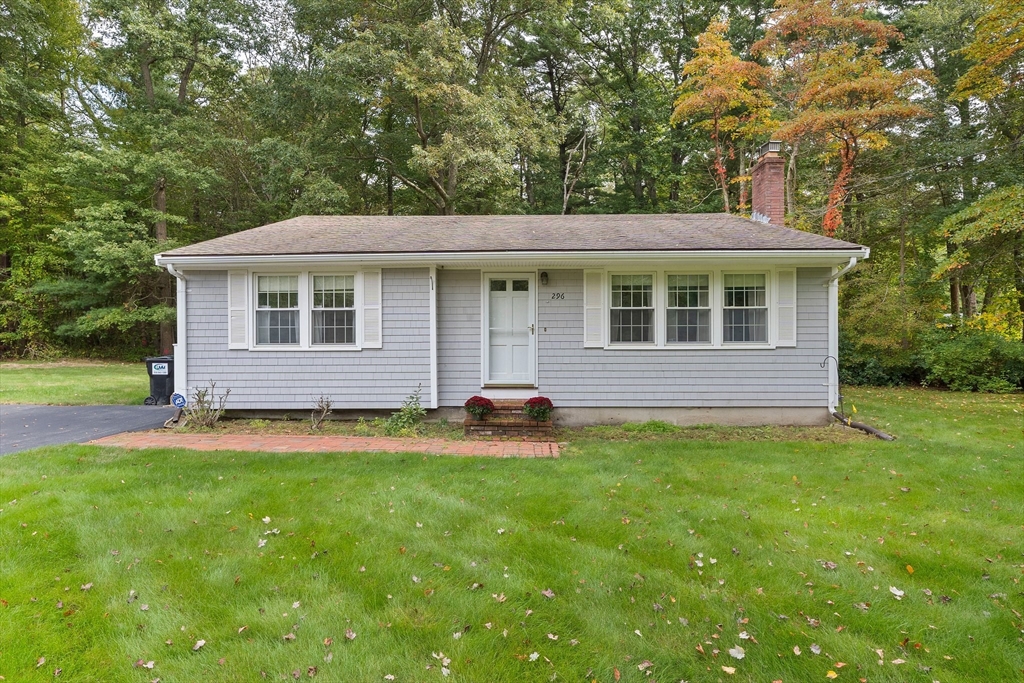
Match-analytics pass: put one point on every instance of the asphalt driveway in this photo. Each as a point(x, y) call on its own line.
point(29, 426)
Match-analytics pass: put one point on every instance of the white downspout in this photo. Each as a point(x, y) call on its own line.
point(833, 332)
point(181, 346)
point(432, 275)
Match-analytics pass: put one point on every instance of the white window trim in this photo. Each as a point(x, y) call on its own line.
point(357, 308)
point(769, 301)
point(713, 302)
point(305, 311)
point(717, 294)
point(656, 301)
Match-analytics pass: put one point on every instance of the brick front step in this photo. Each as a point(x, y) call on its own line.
point(507, 423)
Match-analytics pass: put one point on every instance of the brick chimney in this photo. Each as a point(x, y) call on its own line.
point(769, 185)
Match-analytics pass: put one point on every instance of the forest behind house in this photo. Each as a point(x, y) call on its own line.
point(128, 127)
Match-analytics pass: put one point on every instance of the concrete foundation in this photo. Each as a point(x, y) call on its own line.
point(582, 417)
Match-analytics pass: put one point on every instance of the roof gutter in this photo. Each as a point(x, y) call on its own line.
point(849, 266)
point(439, 258)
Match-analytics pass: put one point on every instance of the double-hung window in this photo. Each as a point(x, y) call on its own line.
point(688, 312)
point(745, 309)
point(277, 309)
point(334, 309)
point(632, 309)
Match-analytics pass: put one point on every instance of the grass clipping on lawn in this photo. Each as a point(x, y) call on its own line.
point(638, 560)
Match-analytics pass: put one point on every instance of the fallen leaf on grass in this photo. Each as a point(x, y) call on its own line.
point(831, 674)
point(534, 656)
point(615, 672)
point(552, 636)
point(896, 592)
point(548, 593)
point(350, 634)
point(829, 565)
point(199, 644)
point(898, 661)
point(288, 636)
point(910, 569)
point(87, 586)
point(737, 652)
point(729, 670)
point(645, 665)
point(796, 650)
point(815, 648)
point(40, 662)
point(328, 642)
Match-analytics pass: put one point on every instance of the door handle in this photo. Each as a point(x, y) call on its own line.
point(531, 328)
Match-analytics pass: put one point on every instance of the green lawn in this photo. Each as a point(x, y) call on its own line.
point(73, 383)
point(662, 555)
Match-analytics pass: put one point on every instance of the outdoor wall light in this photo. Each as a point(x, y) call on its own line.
point(544, 277)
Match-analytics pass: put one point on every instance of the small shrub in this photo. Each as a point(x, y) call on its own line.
point(538, 408)
point(206, 407)
point(479, 407)
point(259, 424)
point(363, 428)
point(408, 416)
point(649, 427)
point(321, 409)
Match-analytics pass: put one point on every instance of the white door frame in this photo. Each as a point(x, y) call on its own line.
point(485, 326)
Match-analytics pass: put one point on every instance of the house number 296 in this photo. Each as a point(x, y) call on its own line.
point(557, 295)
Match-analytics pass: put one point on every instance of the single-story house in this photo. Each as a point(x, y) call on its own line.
point(689, 318)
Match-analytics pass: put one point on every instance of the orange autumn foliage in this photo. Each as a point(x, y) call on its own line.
point(827, 56)
point(722, 94)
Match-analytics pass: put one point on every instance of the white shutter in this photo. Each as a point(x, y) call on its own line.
point(371, 333)
point(785, 305)
point(238, 304)
point(593, 308)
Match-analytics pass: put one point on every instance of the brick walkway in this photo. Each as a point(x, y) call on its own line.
point(329, 444)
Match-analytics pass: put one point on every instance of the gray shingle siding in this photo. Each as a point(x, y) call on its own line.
point(458, 335)
point(371, 378)
point(572, 376)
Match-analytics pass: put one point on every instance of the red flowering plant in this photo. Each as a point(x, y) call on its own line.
point(538, 408)
point(479, 407)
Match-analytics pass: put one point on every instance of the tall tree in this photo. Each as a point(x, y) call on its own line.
point(722, 94)
point(829, 53)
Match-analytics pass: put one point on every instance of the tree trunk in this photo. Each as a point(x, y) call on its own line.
point(742, 206)
point(391, 193)
point(968, 300)
point(790, 209)
point(1018, 278)
point(954, 287)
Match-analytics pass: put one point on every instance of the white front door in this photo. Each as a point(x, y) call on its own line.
point(510, 329)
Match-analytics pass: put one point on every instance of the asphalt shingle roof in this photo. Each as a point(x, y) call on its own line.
point(451, 234)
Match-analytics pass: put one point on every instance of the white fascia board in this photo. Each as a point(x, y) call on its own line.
point(577, 258)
